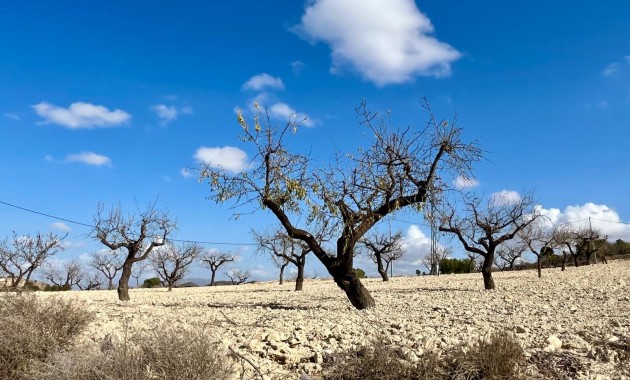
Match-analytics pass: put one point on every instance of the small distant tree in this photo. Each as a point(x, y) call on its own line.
point(137, 235)
point(580, 242)
point(21, 256)
point(66, 275)
point(281, 264)
point(108, 264)
point(383, 250)
point(237, 276)
point(138, 271)
point(152, 282)
point(396, 169)
point(539, 241)
point(172, 262)
point(214, 260)
point(508, 254)
point(92, 281)
point(485, 227)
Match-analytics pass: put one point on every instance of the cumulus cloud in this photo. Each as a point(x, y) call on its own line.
point(416, 245)
point(388, 42)
point(263, 81)
point(462, 183)
point(601, 217)
point(89, 158)
point(504, 198)
point(81, 115)
point(228, 158)
point(61, 226)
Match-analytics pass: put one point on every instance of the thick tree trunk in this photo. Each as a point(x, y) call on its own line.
point(575, 260)
point(299, 280)
point(381, 270)
point(123, 283)
point(564, 261)
point(281, 279)
point(539, 266)
point(358, 295)
point(212, 277)
point(110, 285)
point(486, 271)
point(170, 287)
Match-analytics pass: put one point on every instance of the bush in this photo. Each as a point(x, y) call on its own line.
point(164, 354)
point(360, 273)
point(153, 282)
point(31, 330)
point(449, 266)
point(57, 288)
point(500, 357)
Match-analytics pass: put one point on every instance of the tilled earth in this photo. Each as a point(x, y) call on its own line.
point(575, 322)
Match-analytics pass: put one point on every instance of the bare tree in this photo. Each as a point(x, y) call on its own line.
point(136, 234)
point(484, 228)
point(541, 243)
point(508, 254)
point(107, 263)
point(237, 276)
point(92, 281)
point(280, 263)
point(579, 242)
point(398, 169)
point(172, 262)
point(138, 271)
point(214, 260)
point(383, 249)
point(64, 276)
point(432, 261)
point(22, 255)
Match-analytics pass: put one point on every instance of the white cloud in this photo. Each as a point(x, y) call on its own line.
point(229, 158)
point(12, 116)
point(611, 70)
point(601, 217)
point(185, 173)
point(388, 42)
point(285, 112)
point(416, 245)
point(72, 245)
point(165, 113)
point(462, 183)
point(89, 158)
point(81, 115)
point(263, 81)
point(61, 226)
point(504, 198)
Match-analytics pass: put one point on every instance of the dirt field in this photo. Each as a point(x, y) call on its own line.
point(288, 333)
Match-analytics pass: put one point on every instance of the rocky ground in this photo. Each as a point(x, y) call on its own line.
point(579, 318)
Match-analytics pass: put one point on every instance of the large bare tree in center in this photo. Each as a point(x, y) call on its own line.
point(484, 227)
point(136, 235)
point(398, 168)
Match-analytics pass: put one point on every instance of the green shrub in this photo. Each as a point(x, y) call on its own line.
point(57, 288)
point(360, 273)
point(449, 266)
point(32, 329)
point(153, 282)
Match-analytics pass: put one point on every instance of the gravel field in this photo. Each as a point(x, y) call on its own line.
point(582, 313)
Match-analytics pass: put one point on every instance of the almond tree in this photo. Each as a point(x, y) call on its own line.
point(23, 254)
point(508, 254)
point(172, 262)
point(383, 249)
point(399, 168)
point(135, 234)
point(237, 276)
point(107, 263)
point(65, 276)
point(485, 227)
point(540, 241)
point(214, 260)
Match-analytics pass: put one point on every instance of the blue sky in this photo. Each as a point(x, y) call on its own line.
point(109, 101)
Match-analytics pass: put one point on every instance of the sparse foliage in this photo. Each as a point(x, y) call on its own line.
point(172, 262)
point(21, 256)
point(137, 235)
point(399, 169)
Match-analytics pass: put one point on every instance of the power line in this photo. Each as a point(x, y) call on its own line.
point(91, 226)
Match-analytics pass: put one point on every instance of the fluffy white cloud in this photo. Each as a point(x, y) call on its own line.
point(263, 81)
point(462, 183)
point(416, 246)
point(89, 158)
point(229, 158)
point(61, 226)
point(388, 42)
point(601, 217)
point(611, 69)
point(165, 113)
point(81, 115)
point(505, 197)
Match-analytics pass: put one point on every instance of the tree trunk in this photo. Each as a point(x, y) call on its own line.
point(358, 295)
point(123, 283)
point(281, 279)
point(212, 277)
point(575, 260)
point(382, 271)
point(170, 287)
point(588, 257)
point(299, 280)
point(110, 285)
point(564, 261)
point(486, 271)
point(539, 266)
